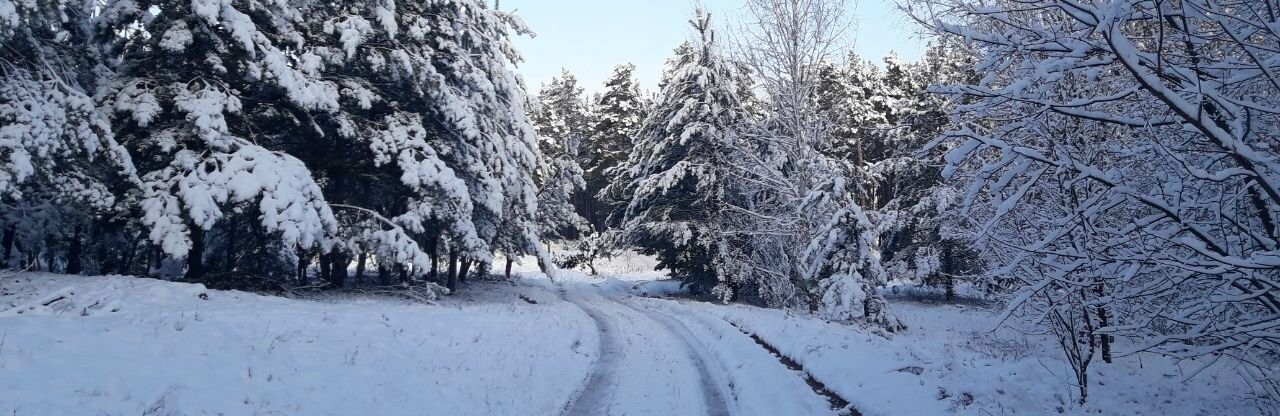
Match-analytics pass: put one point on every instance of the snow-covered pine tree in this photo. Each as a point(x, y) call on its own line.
point(675, 173)
point(557, 184)
point(910, 204)
point(62, 171)
point(561, 115)
point(850, 96)
point(428, 93)
point(616, 122)
point(198, 90)
point(562, 122)
point(243, 116)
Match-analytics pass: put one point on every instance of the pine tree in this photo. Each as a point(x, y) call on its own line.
point(800, 237)
point(561, 114)
point(910, 204)
point(260, 134)
point(675, 172)
point(562, 123)
point(617, 117)
point(63, 170)
point(195, 98)
point(851, 97)
point(429, 95)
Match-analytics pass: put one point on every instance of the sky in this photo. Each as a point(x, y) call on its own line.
point(590, 37)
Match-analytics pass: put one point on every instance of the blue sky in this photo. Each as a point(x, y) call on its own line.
point(589, 37)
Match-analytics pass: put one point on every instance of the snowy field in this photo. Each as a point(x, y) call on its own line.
point(582, 346)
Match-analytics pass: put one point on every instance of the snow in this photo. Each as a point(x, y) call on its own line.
point(135, 99)
point(352, 32)
point(579, 345)
point(959, 359)
point(1061, 149)
point(119, 345)
point(639, 351)
point(8, 15)
point(205, 109)
point(291, 203)
point(387, 17)
point(176, 38)
point(759, 385)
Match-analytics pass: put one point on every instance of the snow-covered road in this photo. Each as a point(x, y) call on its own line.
point(643, 367)
point(656, 360)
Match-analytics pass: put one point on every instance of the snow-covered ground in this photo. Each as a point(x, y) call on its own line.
point(950, 362)
point(580, 346)
point(127, 346)
point(657, 363)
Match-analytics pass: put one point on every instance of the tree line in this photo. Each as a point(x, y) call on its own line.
point(752, 183)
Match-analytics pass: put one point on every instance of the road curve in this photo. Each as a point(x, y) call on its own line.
point(646, 364)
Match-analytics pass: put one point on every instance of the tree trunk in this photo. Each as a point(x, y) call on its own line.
point(108, 264)
point(509, 261)
point(230, 254)
point(10, 234)
point(360, 264)
point(304, 261)
point(195, 258)
point(50, 259)
point(384, 275)
point(1106, 338)
point(543, 266)
point(157, 258)
point(462, 272)
point(126, 258)
point(1103, 319)
point(261, 264)
point(452, 284)
point(29, 260)
point(948, 279)
point(74, 251)
point(339, 269)
point(433, 247)
point(326, 268)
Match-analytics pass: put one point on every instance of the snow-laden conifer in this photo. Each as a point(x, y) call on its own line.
point(676, 171)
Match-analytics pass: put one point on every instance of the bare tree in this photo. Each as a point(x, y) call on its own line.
point(1126, 153)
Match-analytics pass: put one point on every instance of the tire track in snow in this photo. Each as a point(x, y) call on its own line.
point(597, 392)
point(711, 393)
point(833, 401)
point(839, 404)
